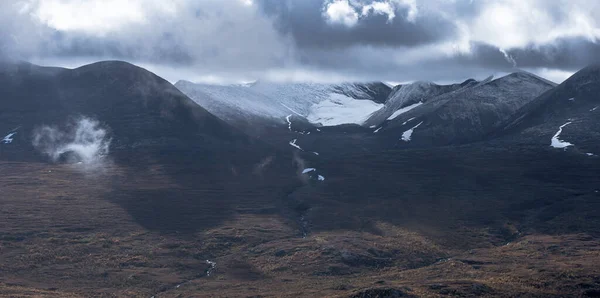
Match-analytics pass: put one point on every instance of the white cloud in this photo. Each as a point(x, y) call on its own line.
point(511, 24)
point(340, 12)
point(94, 16)
point(346, 12)
point(382, 8)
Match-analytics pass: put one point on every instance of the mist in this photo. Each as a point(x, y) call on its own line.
point(82, 141)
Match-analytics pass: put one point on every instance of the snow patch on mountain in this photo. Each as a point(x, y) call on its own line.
point(308, 170)
point(409, 120)
point(293, 144)
point(9, 138)
point(407, 135)
point(556, 142)
point(404, 110)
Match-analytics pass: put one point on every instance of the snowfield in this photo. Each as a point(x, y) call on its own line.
point(320, 104)
point(339, 109)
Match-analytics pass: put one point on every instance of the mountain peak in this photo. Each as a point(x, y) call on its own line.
point(589, 74)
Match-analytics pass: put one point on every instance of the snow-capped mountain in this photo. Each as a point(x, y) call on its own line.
point(319, 104)
point(465, 114)
point(567, 117)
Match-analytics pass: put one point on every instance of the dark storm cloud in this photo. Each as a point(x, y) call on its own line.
point(165, 48)
point(565, 53)
point(304, 21)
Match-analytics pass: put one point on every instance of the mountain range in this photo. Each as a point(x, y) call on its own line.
point(115, 182)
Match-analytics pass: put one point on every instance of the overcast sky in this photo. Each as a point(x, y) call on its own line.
point(308, 40)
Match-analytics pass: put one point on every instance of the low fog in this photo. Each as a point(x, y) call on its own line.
point(81, 141)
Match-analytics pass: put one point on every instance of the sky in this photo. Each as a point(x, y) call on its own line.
point(231, 41)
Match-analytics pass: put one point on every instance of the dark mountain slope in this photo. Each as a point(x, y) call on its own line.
point(403, 96)
point(574, 105)
point(136, 107)
point(466, 114)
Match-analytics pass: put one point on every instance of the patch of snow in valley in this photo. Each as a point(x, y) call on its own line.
point(9, 138)
point(377, 130)
point(308, 170)
point(594, 109)
point(293, 144)
point(316, 153)
point(590, 154)
point(321, 178)
point(372, 126)
point(556, 142)
point(571, 99)
point(404, 110)
point(406, 136)
point(339, 109)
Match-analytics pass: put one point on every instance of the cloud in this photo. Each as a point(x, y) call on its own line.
point(349, 12)
point(382, 8)
point(83, 141)
point(241, 40)
point(340, 12)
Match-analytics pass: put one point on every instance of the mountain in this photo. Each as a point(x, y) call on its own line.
point(109, 101)
point(467, 113)
point(405, 97)
point(184, 204)
point(275, 104)
point(565, 117)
